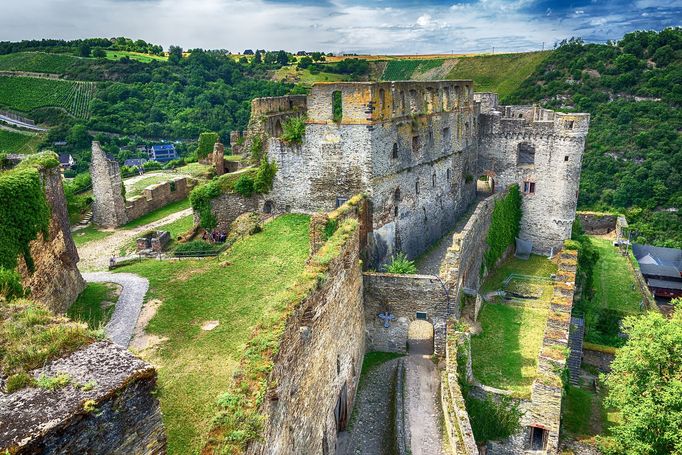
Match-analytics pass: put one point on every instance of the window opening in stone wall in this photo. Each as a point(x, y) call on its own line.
point(433, 179)
point(340, 201)
point(337, 106)
point(525, 153)
point(267, 207)
point(341, 410)
point(566, 158)
point(416, 186)
point(529, 187)
point(382, 97)
point(278, 128)
point(395, 211)
point(448, 174)
point(430, 137)
point(394, 153)
point(422, 315)
point(396, 195)
point(426, 218)
point(446, 98)
point(569, 124)
point(414, 106)
point(415, 144)
point(338, 364)
point(402, 102)
point(538, 438)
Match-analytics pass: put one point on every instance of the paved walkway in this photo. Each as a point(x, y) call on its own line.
point(95, 255)
point(122, 324)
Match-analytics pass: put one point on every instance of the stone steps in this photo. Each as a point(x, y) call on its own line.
point(575, 343)
point(86, 219)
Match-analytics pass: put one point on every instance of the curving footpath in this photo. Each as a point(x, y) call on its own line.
point(122, 324)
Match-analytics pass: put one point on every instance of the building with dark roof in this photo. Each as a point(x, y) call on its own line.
point(661, 268)
point(135, 162)
point(163, 153)
point(66, 161)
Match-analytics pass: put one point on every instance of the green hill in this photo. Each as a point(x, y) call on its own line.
point(502, 73)
point(27, 94)
point(18, 142)
point(633, 156)
point(38, 62)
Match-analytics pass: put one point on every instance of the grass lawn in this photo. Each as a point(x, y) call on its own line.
point(89, 307)
point(236, 289)
point(535, 265)
point(505, 354)
point(583, 414)
point(140, 57)
point(88, 234)
point(197, 170)
point(176, 228)
point(158, 214)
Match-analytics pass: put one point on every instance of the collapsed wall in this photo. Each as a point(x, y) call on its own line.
point(55, 281)
point(107, 407)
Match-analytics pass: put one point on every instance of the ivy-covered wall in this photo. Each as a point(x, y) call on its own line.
point(504, 226)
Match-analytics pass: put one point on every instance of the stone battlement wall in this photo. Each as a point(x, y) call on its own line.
point(56, 281)
point(403, 296)
point(326, 330)
point(156, 196)
point(277, 104)
point(116, 413)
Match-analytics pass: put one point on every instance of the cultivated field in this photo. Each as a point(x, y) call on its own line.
point(37, 62)
point(15, 142)
point(26, 94)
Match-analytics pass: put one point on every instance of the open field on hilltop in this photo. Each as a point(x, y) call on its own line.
point(140, 57)
point(19, 142)
point(236, 289)
point(37, 62)
point(504, 354)
point(303, 76)
point(26, 94)
point(502, 73)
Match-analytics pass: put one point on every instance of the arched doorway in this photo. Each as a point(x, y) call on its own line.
point(485, 184)
point(420, 337)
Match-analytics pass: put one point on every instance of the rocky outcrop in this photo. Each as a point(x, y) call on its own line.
point(107, 407)
point(55, 281)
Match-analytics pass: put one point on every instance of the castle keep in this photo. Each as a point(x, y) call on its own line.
point(417, 149)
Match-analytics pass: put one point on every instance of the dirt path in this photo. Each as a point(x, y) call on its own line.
point(94, 256)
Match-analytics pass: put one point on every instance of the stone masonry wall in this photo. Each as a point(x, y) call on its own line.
point(318, 364)
point(56, 281)
point(597, 223)
point(228, 206)
point(403, 296)
point(558, 142)
point(109, 207)
point(156, 196)
point(123, 415)
point(461, 267)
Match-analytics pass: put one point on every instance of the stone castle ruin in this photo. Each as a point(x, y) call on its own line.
point(110, 207)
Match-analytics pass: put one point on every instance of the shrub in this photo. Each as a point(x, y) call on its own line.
point(244, 185)
point(256, 148)
point(206, 142)
point(152, 166)
point(504, 226)
point(400, 264)
point(200, 198)
point(491, 420)
point(195, 246)
point(10, 284)
point(293, 130)
point(18, 381)
point(264, 176)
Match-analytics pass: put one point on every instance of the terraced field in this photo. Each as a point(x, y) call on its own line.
point(37, 62)
point(26, 94)
point(14, 142)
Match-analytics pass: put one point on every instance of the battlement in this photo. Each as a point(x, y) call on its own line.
point(277, 104)
point(366, 103)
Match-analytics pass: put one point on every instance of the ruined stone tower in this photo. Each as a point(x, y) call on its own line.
point(218, 158)
point(108, 209)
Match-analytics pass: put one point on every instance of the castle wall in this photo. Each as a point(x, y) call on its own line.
point(558, 142)
point(597, 223)
point(56, 280)
point(125, 415)
point(156, 196)
point(228, 206)
point(108, 208)
point(320, 355)
point(403, 296)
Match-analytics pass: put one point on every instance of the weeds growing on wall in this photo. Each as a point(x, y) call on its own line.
point(493, 419)
point(200, 198)
point(244, 185)
point(293, 130)
point(24, 211)
point(337, 106)
point(256, 149)
point(400, 264)
point(504, 226)
point(206, 142)
point(264, 176)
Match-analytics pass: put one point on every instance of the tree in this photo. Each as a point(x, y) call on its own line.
point(282, 58)
point(84, 50)
point(258, 58)
point(99, 53)
point(174, 54)
point(645, 384)
point(305, 62)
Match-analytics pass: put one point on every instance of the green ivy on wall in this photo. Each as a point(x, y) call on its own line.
point(504, 227)
point(206, 142)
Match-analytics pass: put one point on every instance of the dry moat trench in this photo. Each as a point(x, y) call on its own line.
point(397, 405)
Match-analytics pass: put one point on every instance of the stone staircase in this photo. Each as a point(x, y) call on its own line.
point(575, 343)
point(86, 219)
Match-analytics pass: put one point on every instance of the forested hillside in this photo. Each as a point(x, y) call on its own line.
point(633, 159)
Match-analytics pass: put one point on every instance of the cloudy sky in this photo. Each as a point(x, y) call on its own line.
point(364, 26)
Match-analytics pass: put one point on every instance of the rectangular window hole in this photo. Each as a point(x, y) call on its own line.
point(422, 315)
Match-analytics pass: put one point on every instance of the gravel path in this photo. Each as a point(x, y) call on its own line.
point(95, 255)
point(122, 324)
point(422, 414)
point(370, 424)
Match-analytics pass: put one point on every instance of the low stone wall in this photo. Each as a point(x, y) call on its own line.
point(228, 206)
point(108, 407)
point(316, 372)
point(56, 281)
point(461, 267)
point(156, 196)
point(403, 296)
point(457, 425)
point(597, 222)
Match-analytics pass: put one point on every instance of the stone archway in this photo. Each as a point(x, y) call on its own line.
point(420, 335)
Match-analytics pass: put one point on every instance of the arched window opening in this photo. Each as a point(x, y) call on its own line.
point(394, 153)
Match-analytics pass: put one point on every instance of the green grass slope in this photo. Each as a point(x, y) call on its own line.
point(502, 73)
point(37, 62)
point(26, 94)
point(15, 142)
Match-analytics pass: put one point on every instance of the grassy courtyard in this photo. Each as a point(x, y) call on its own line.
point(96, 304)
point(236, 289)
point(504, 354)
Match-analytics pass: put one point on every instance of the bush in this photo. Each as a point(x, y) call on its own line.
point(293, 130)
point(244, 185)
point(152, 166)
point(264, 176)
point(206, 142)
point(504, 226)
point(10, 284)
point(200, 198)
point(491, 420)
point(400, 264)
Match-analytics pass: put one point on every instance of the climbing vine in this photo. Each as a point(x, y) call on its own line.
point(206, 142)
point(504, 226)
point(24, 211)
